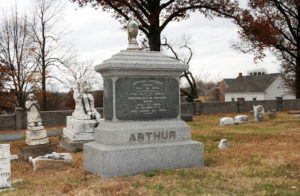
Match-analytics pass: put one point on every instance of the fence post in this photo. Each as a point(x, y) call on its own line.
point(19, 113)
point(197, 105)
point(240, 105)
point(279, 103)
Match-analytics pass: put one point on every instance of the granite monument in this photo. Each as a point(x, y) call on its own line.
point(142, 130)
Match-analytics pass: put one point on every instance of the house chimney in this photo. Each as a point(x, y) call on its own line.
point(240, 74)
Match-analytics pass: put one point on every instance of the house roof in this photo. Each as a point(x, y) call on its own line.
point(252, 83)
point(228, 81)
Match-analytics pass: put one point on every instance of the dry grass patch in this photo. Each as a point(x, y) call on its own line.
point(264, 160)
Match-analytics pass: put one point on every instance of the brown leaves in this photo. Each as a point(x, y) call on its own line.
point(273, 25)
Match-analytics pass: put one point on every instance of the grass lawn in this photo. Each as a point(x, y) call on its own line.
point(264, 160)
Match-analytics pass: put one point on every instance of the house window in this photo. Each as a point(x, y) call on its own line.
point(254, 98)
point(232, 99)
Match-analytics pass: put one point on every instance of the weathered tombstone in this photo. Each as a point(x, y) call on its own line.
point(81, 125)
point(52, 161)
point(259, 114)
point(142, 130)
point(37, 142)
point(272, 114)
point(5, 169)
point(225, 121)
point(241, 119)
point(224, 144)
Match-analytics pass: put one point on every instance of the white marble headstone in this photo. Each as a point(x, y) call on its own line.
point(5, 169)
point(226, 121)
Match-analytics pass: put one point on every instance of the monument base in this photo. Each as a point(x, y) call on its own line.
point(73, 146)
point(108, 161)
point(26, 151)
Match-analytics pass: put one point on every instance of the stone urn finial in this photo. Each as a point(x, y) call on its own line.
point(133, 29)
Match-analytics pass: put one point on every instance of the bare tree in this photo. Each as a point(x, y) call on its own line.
point(183, 52)
point(16, 56)
point(76, 71)
point(47, 36)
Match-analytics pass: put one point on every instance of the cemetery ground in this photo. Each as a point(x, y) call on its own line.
point(264, 160)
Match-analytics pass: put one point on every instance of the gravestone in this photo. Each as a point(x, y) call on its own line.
point(241, 119)
point(142, 130)
point(272, 114)
point(52, 161)
point(225, 121)
point(37, 142)
point(224, 144)
point(35, 133)
point(5, 169)
point(81, 125)
point(259, 114)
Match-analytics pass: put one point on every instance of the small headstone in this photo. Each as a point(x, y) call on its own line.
point(224, 144)
point(272, 114)
point(259, 113)
point(5, 169)
point(226, 121)
point(241, 119)
point(52, 161)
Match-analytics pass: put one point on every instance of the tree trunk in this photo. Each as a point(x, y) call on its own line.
point(154, 38)
point(154, 29)
point(44, 90)
point(297, 80)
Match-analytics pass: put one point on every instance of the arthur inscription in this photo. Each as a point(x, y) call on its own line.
point(5, 170)
point(152, 136)
point(147, 98)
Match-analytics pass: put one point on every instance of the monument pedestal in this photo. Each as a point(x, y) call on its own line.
point(36, 135)
point(77, 133)
point(26, 151)
point(107, 161)
point(73, 146)
point(127, 148)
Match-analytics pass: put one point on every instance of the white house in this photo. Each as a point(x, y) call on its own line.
point(257, 86)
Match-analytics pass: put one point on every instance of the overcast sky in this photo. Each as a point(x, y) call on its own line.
point(95, 34)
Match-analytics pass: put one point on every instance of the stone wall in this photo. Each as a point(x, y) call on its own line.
point(58, 118)
point(7, 122)
point(49, 119)
point(198, 108)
